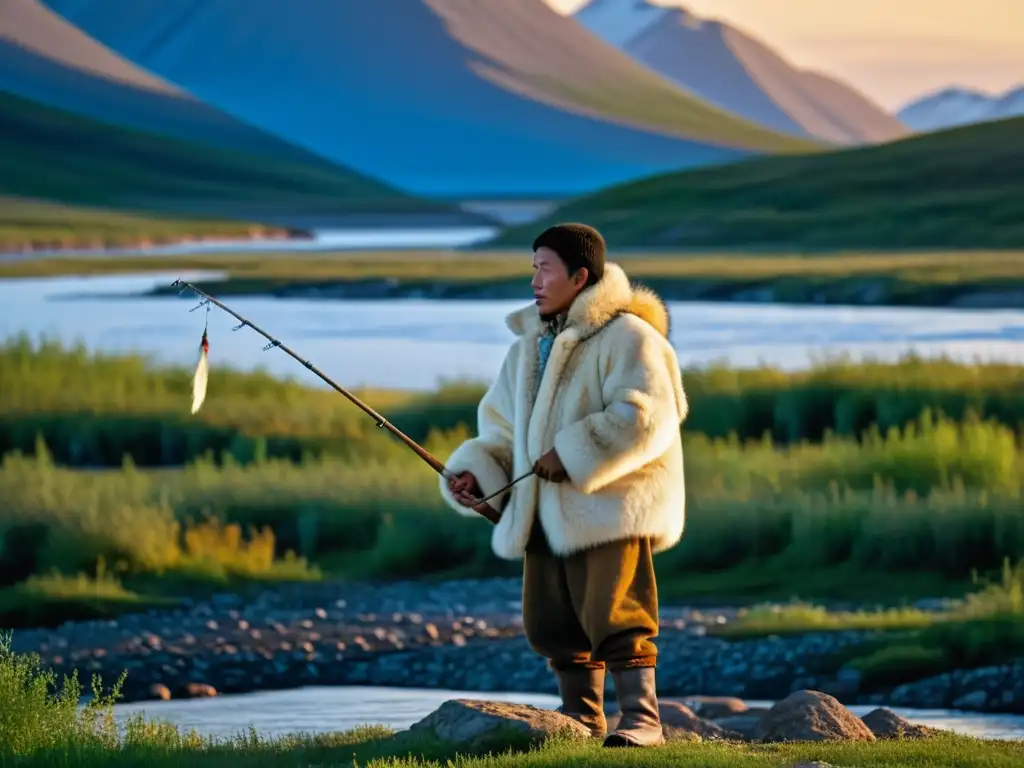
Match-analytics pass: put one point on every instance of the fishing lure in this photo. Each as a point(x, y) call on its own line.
point(199, 378)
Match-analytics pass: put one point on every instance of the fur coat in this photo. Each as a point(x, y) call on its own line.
point(610, 403)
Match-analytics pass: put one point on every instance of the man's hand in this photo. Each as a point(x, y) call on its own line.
point(549, 467)
point(465, 488)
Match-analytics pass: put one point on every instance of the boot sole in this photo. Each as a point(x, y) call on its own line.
point(615, 741)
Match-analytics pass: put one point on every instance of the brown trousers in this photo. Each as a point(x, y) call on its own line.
point(595, 608)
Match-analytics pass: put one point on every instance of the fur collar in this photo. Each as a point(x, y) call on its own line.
point(597, 305)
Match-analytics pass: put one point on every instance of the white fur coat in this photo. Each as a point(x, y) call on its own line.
point(610, 402)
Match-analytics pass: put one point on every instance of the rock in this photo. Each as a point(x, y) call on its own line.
point(972, 701)
point(679, 717)
point(886, 724)
point(199, 690)
point(159, 691)
point(746, 725)
point(714, 707)
point(494, 724)
point(812, 716)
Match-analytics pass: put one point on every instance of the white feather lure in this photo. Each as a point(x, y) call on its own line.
point(201, 375)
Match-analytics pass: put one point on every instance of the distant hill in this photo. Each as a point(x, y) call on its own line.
point(55, 155)
point(737, 72)
point(448, 98)
point(961, 188)
point(951, 107)
point(46, 59)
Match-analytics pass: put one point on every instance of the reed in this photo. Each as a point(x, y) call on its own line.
point(93, 409)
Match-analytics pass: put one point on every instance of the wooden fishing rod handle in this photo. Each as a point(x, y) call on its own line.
point(488, 512)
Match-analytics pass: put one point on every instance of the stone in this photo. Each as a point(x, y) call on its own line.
point(159, 691)
point(972, 701)
point(714, 707)
point(812, 716)
point(886, 724)
point(495, 724)
point(746, 724)
point(199, 690)
point(679, 717)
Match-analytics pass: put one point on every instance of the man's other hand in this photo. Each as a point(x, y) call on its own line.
point(549, 467)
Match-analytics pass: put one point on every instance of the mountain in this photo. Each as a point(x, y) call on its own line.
point(48, 60)
point(737, 72)
point(447, 98)
point(960, 188)
point(58, 156)
point(960, 106)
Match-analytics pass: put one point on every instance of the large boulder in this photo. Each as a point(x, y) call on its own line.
point(886, 724)
point(482, 725)
point(812, 716)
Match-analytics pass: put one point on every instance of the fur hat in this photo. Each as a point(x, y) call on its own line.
point(578, 245)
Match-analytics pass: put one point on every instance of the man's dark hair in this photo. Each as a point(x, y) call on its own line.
point(578, 245)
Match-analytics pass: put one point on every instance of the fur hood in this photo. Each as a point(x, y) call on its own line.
point(611, 296)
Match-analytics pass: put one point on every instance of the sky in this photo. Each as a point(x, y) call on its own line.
point(892, 50)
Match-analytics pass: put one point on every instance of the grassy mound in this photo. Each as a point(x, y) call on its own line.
point(960, 188)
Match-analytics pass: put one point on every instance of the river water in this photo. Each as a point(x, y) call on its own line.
point(321, 709)
point(416, 343)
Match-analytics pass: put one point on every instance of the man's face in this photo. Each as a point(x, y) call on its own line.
point(553, 287)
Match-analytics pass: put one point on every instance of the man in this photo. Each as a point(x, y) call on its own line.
point(590, 397)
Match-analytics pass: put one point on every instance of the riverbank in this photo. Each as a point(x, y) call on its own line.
point(467, 635)
point(37, 228)
point(988, 279)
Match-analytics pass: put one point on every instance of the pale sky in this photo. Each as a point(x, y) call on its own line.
point(892, 50)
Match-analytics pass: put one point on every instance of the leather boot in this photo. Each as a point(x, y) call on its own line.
point(582, 692)
point(640, 723)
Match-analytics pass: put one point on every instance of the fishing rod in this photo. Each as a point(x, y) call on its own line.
point(480, 505)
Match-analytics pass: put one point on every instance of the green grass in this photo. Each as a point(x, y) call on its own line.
point(961, 188)
point(861, 486)
point(937, 278)
point(984, 628)
point(147, 745)
point(41, 725)
point(37, 224)
point(93, 408)
point(91, 163)
point(103, 470)
point(935, 501)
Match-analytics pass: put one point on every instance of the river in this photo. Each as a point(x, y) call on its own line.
point(416, 343)
point(321, 709)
